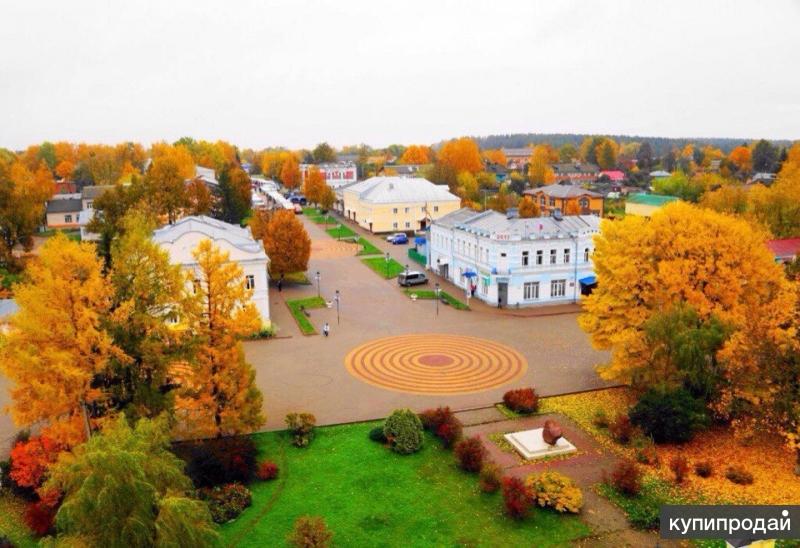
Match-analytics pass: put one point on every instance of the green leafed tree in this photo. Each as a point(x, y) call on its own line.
point(124, 487)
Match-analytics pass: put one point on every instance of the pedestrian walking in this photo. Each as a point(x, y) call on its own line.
point(326, 329)
point(280, 284)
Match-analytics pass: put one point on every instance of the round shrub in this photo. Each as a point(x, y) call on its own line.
point(621, 429)
point(490, 477)
point(521, 400)
point(267, 471)
point(470, 454)
point(310, 532)
point(704, 469)
point(516, 498)
point(627, 478)
point(377, 435)
point(669, 416)
point(301, 426)
point(403, 430)
point(226, 502)
point(551, 489)
point(218, 461)
point(680, 468)
point(443, 423)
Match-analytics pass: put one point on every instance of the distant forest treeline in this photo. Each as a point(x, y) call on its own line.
point(660, 145)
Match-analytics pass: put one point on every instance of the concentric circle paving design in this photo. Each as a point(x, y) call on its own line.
point(435, 364)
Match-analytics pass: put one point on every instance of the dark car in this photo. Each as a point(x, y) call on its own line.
point(412, 278)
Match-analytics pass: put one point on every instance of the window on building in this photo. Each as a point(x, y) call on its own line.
point(485, 286)
point(539, 257)
point(525, 258)
point(553, 256)
point(435, 208)
point(558, 288)
point(394, 210)
point(584, 203)
point(408, 225)
point(250, 282)
point(566, 256)
point(530, 291)
point(67, 218)
point(394, 225)
point(552, 202)
point(586, 255)
point(542, 200)
point(407, 209)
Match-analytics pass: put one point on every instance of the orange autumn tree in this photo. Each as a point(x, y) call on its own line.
point(742, 158)
point(496, 156)
point(528, 208)
point(461, 155)
point(166, 178)
point(30, 460)
point(714, 263)
point(314, 185)
point(290, 172)
point(286, 242)
point(416, 154)
point(23, 194)
point(57, 344)
point(221, 398)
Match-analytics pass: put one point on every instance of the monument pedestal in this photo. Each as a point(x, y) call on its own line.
point(531, 444)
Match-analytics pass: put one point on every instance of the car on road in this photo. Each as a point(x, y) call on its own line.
point(398, 238)
point(413, 277)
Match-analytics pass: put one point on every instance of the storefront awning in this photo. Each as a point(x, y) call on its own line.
point(470, 274)
point(419, 240)
point(588, 280)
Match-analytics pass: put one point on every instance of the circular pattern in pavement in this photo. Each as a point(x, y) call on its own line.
point(333, 249)
point(435, 364)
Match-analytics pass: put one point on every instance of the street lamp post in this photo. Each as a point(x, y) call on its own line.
point(387, 265)
point(437, 298)
point(336, 298)
point(316, 277)
point(406, 270)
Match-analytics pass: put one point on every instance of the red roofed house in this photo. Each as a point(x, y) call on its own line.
point(615, 175)
point(784, 250)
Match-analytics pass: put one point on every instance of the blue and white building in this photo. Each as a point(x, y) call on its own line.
point(513, 261)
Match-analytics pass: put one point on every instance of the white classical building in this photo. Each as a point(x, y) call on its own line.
point(181, 238)
point(513, 261)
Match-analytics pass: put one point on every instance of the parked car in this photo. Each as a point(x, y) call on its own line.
point(412, 278)
point(398, 238)
point(297, 209)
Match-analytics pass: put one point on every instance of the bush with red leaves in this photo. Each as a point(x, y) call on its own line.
point(267, 471)
point(517, 497)
point(30, 460)
point(627, 478)
point(443, 423)
point(470, 454)
point(621, 429)
point(522, 400)
point(680, 468)
point(218, 461)
point(39, 517)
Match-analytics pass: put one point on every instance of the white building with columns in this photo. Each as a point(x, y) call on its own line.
point(512, 261)
point(181, 238)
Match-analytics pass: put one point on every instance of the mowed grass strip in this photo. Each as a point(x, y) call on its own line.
point(430, 294)
point(297, 306)
point(340, 232)
point(367, 247)
point(381, 268)
point(370, 496)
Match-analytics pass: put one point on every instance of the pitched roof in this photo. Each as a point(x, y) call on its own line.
point(785, 248)
point(92, 192)
point(214, 230)
point(389, 190)
point(614, 174)
point(563, 191)
point(207, 174)
point(518, 152)
point(68, 205)
point(575, 167)
point(651, 199)
point(488, 223)
point(660, 173)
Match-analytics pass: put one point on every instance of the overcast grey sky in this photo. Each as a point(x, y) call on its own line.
point(294, 73)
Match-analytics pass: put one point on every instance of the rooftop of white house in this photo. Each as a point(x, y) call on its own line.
point(215, 230)
point(388, 190)
point(491, 224)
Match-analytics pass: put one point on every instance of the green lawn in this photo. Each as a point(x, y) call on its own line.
point(11, 524)
point(316, 216)
point(296, 306)
point(70, 233)
point(367, 247)
point(294, 278)
point(341, 231)
point(378, 264)
point(370, 496)
point(431, 294)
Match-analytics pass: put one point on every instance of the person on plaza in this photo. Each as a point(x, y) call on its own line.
point(280, 284)
point(326, 329)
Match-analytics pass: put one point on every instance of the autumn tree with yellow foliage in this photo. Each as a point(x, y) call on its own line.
point(461, 155)
point(528, 208)
point(221, 398)
point(285, 240)
point(166, 177)
point(716, 264)
point(539, 170)
point(415, 155)
point(496, 156)
point(23, 194)
point(57, 345)
point(314, 185)
point(290, 172)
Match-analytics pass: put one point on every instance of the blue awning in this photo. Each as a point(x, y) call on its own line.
point(419, 240)
point(470, 274)
point(588, 280)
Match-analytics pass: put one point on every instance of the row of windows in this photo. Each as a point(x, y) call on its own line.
point(584, 202)
point(481, 253)
point(530, 290)
point(553, 256)
point(249, 283)
point(408, 209)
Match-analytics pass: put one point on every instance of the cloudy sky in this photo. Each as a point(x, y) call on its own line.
point(296, 72)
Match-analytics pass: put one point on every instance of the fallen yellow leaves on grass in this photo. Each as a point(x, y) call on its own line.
point(769, 460)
